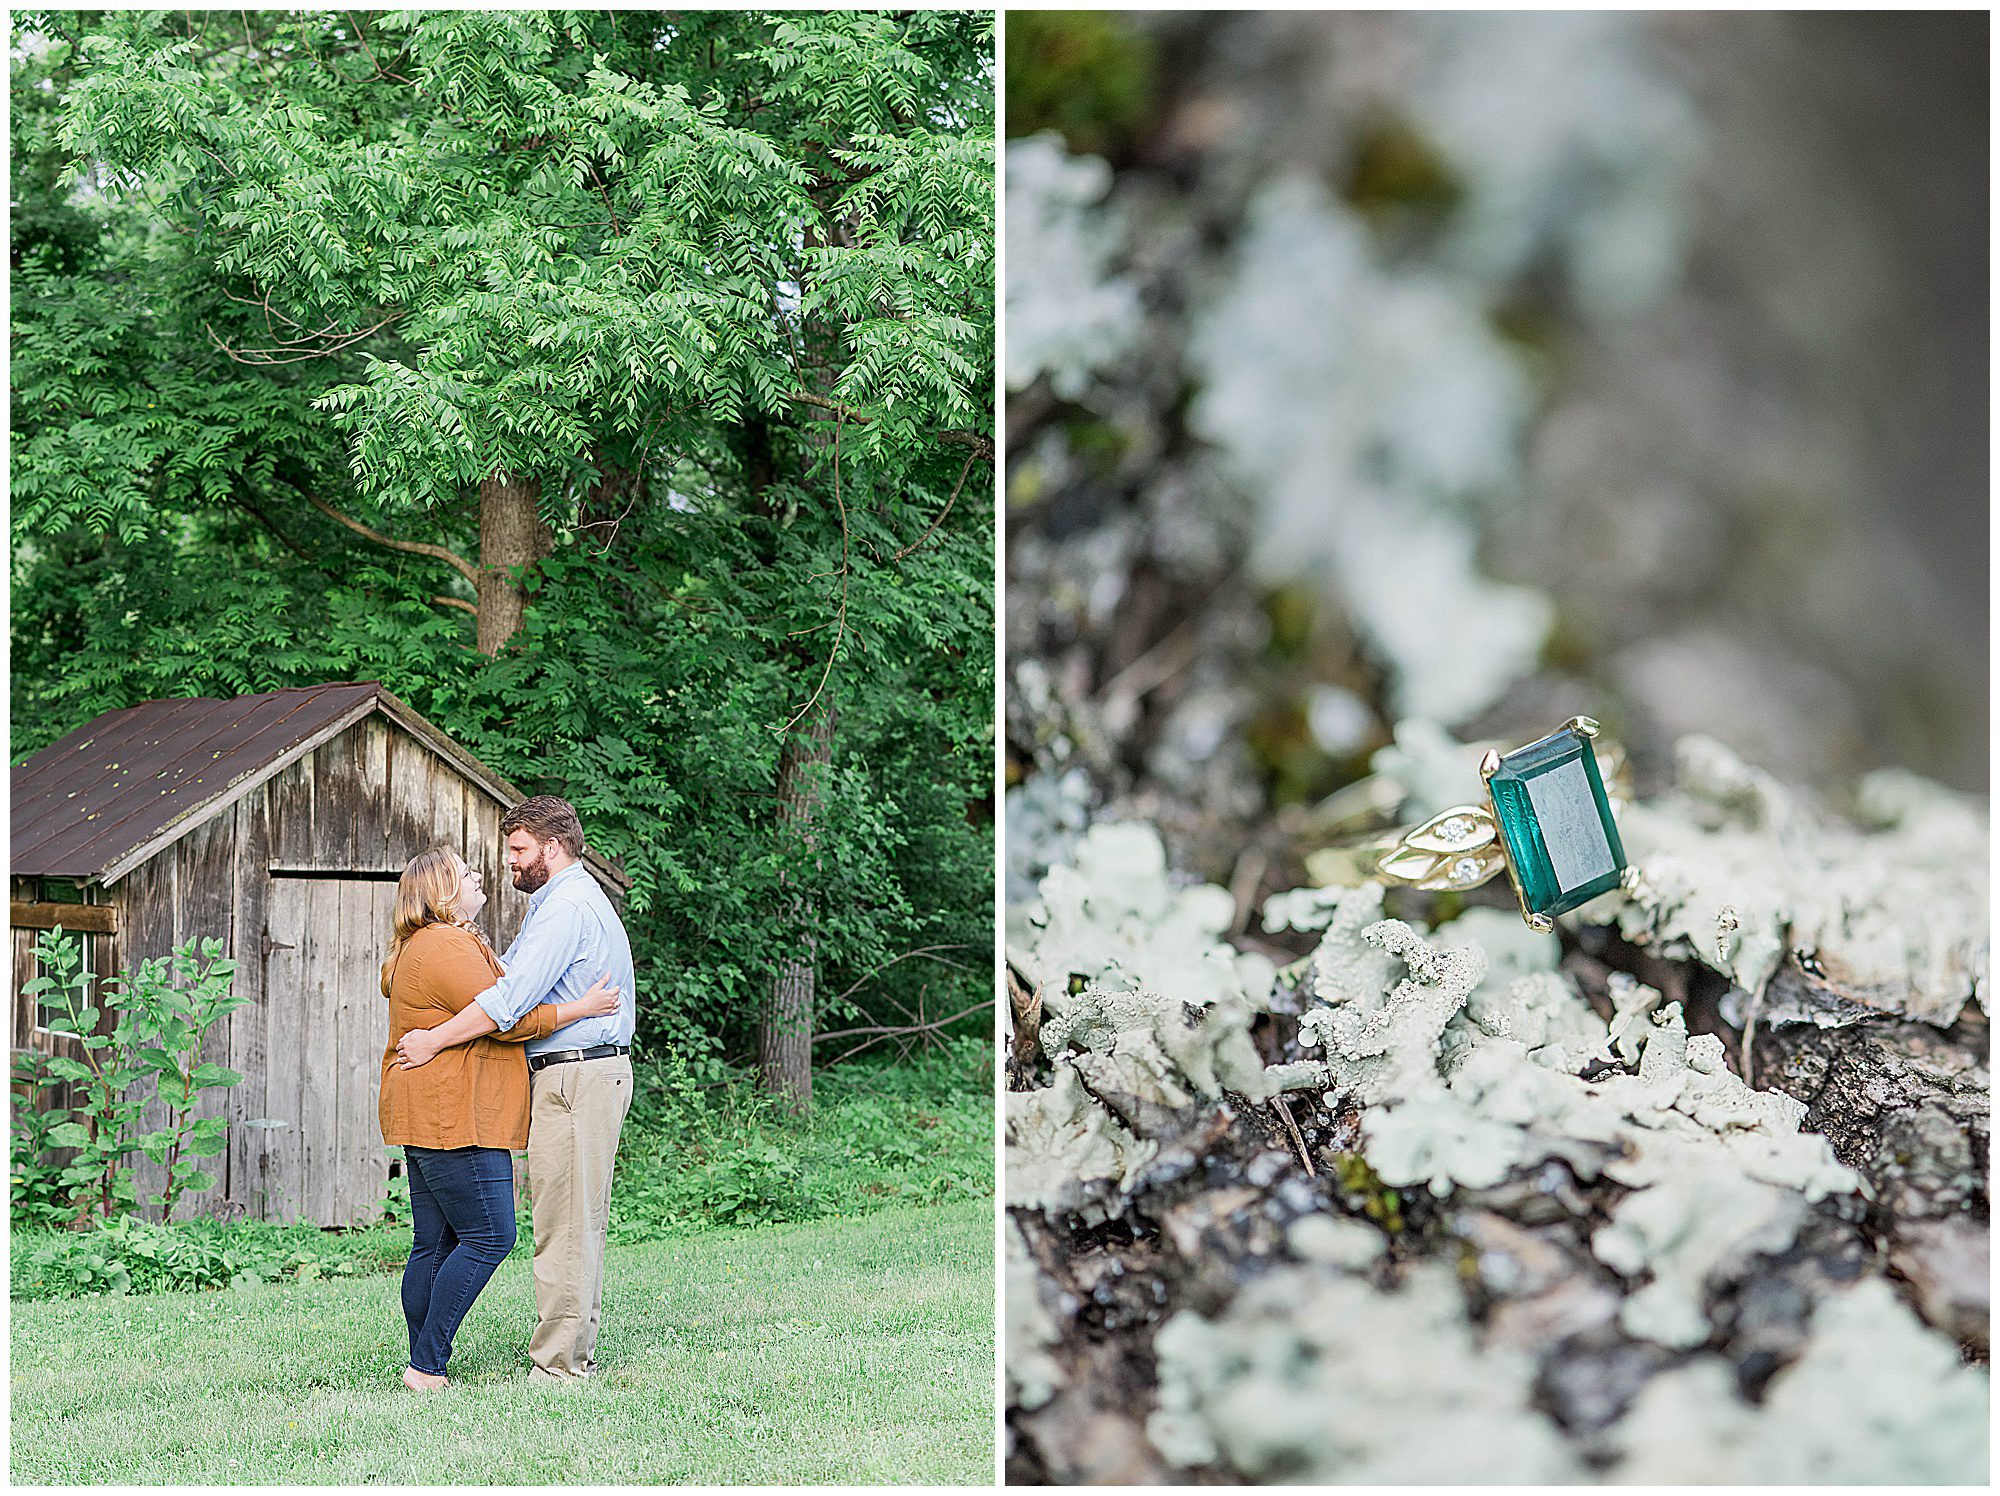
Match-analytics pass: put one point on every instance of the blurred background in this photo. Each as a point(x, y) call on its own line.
point(1375, 370)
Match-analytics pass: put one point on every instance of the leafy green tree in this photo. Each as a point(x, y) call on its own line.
point(616, 386)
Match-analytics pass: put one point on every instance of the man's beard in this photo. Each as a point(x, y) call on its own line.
point(530, 876)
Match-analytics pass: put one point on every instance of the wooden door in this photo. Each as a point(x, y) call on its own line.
point(326, 1026)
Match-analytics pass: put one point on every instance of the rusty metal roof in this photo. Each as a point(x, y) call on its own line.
point(120, 780)
point(130, 783)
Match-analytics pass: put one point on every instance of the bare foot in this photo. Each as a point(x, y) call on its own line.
point(422, 1381)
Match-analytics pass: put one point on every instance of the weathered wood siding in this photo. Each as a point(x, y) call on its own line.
point(100, 958)
point(26, 1036)
point(297, 880)
point(364, 803)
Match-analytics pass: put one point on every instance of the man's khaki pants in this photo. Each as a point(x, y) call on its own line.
point(573, 1124)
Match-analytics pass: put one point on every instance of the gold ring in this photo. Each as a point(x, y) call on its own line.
point(1548, 823)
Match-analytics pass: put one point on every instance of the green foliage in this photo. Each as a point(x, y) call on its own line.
point(173, 1003)
point(1088, 73)
point(130, 1255)
point(157, 1016)
point(100, 1114)
point(694, 1156)
point(36, 1192)
point(371, 258)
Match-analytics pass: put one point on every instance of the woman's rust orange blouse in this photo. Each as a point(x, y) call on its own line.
point(471, 1095)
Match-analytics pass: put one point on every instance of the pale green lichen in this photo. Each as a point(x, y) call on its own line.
point(1432, 768)
point(1737, 871)
point(1339, 1241)
point(1161, 1025)
point(1112, 919)
point(1033, 1375)
point(1069, 312)
point(1680, 1231)
point(1134, 1044)
point(1468, 1051)
point(1875, 1399)
point(1313, 1376)
point(1381, 1037)
point(1463, 1085)
point(1065, 1151)
point(1326, 368)
point(1575, 143)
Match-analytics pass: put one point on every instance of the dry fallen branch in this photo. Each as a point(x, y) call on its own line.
point(903, 1033)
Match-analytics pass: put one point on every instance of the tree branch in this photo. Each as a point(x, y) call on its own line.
point(455, 602)
point(891, 1031)
point(283, 539)
point(415, 547)
point(982, 446)
point(922, 950)
point(970, 458)
point(301, 350)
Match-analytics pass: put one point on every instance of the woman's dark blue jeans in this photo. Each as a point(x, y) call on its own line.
point(462, 1206)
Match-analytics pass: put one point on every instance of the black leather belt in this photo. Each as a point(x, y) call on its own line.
point(569, 1056)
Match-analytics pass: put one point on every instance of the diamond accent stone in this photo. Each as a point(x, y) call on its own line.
point(1464, 870)
point(1457, 829)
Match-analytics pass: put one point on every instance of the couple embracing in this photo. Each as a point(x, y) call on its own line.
point(489, 1055)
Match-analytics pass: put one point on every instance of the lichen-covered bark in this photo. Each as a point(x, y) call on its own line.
point(1278, 486)
point(1472, 1203)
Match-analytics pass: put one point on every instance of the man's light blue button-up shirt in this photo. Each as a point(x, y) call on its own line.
point(571, 937)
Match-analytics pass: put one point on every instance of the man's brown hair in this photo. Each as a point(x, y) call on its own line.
point(546, 818)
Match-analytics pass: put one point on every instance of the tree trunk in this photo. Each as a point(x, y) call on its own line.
point(511, 533)
point(785, 1036)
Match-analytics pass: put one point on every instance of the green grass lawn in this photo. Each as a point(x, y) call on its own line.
point(836, 1352)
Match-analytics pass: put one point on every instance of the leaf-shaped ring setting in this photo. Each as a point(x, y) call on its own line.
point(1455, 849)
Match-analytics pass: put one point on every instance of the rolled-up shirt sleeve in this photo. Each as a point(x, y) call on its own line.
point(536, 962)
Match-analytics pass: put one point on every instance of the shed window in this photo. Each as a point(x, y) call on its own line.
point(93, 962)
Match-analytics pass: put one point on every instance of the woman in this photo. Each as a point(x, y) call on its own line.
point(459, 1118)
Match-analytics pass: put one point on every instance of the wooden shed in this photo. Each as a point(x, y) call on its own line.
point(279, 824)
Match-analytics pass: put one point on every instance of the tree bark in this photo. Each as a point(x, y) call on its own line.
point(785, 1035)
point(511, 534)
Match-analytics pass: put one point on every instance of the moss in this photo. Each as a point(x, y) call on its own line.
point(1025, 483)
point(1366, 1192)
point(1089, 74)
point(1097, 445)
point(1568, 646)
point(1533, 329)
point(1398, 177)
point(1281, 741)
point(1291, 610)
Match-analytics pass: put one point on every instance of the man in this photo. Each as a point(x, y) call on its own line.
point(580, 1075)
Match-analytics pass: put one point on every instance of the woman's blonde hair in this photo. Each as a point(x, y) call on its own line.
point(426, 894)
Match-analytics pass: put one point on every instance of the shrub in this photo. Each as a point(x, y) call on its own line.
point(698, 1156)
point(129, 1255)
point(159, 1014)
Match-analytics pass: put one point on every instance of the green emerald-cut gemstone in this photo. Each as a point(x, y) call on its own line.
point(1549, 800)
